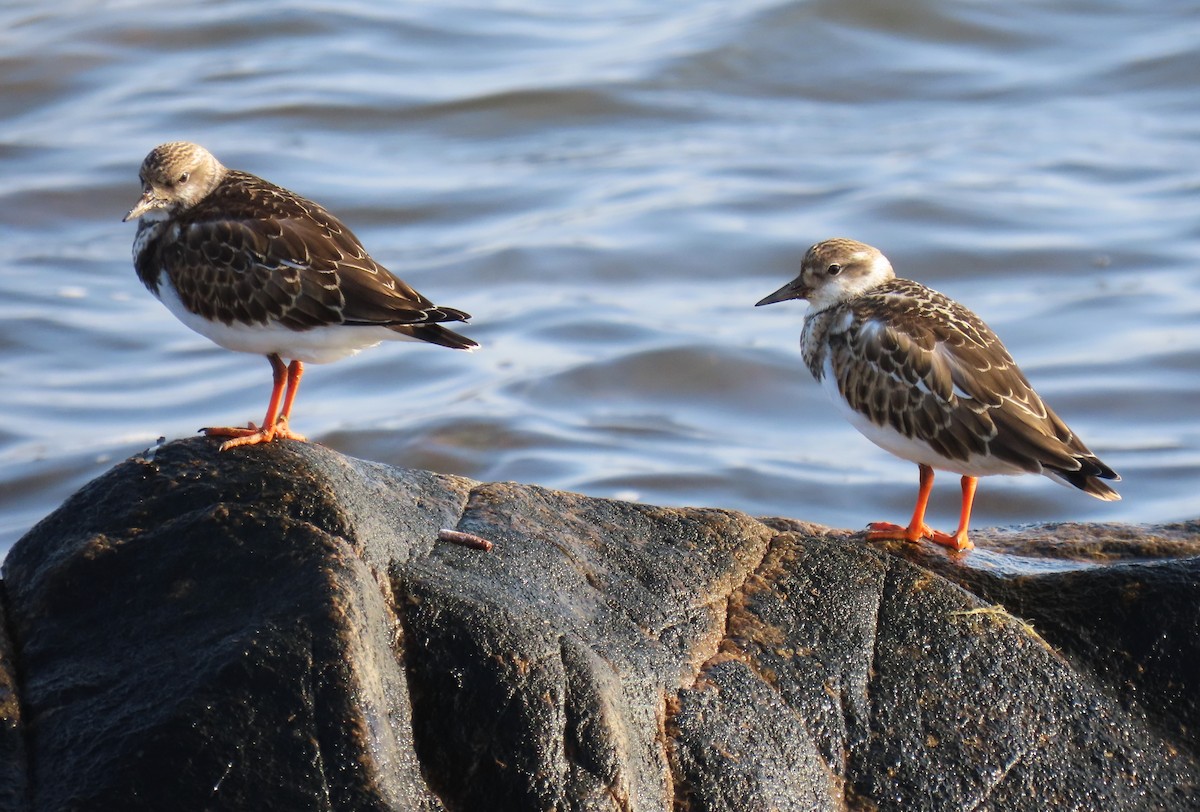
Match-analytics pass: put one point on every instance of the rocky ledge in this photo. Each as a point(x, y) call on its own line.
point(279, 628)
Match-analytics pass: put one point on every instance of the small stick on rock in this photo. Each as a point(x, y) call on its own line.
point(465, 539)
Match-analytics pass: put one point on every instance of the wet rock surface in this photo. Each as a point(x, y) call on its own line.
point(279, 628)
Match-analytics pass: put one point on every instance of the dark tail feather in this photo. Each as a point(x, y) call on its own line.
point(1089, 478)
point(437, 334)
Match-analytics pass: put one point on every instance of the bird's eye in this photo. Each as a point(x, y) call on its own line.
point(183, 178)
point(834, 269)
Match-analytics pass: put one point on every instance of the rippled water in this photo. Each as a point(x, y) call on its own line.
point(609, 188)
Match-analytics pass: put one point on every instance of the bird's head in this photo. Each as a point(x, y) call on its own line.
point(175, 177)
point(834, 271)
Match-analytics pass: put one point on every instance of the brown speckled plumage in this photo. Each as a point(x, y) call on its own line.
point(251, 252)
point(256, 268)
point(928, 377)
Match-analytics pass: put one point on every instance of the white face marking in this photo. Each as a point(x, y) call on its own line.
point(862, 268)
point(879, 270)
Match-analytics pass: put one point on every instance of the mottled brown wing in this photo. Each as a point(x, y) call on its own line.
point(254, 252)
point(235, 272)
point(896, 378)
point(929, 368)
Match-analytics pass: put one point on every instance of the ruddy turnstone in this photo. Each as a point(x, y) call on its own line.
point(924, 378)
point(256, 268)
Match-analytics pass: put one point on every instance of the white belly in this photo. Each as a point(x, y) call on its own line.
point(319, 345)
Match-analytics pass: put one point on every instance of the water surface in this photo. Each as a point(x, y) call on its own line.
point(609, 190)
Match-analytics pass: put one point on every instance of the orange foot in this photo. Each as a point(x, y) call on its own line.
point(253, 435)
point(886, 531)
point(956, 541)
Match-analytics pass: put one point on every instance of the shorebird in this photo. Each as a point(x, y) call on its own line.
point(923, 377)
point(256, 268)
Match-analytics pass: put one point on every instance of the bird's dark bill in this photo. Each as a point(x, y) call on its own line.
point(145, 203)
point(792, 290)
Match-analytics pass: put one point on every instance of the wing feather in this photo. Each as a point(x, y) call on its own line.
point(255, 253)
point(911, 359)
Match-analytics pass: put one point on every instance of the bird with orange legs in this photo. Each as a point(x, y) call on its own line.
point(256, 268)
point(923, 377)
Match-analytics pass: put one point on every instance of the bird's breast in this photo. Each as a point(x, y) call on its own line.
point(814, 341)
point(145, 254)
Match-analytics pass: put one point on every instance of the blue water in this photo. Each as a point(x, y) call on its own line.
point(608, 189)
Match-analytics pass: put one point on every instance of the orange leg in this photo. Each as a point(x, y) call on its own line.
point(917, 529)
point(959, 540)
point(275, 423)
point(294, 372)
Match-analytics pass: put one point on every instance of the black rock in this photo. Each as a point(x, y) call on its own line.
point(278, 627)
